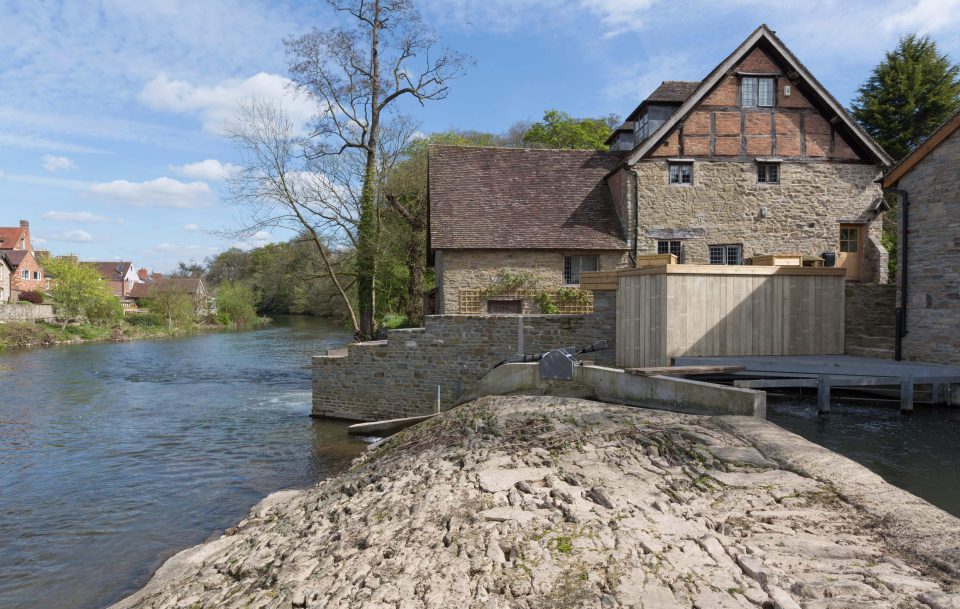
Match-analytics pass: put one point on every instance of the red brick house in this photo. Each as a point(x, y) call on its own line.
point(26, 275)
point(192, 286)
point(756, 160)
point(120, 276)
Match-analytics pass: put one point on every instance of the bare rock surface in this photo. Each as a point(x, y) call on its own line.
point(537, 502)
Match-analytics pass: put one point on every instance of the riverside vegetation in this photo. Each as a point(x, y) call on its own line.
point(537, 502)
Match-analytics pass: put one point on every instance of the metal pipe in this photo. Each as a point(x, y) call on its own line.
point(904, 225)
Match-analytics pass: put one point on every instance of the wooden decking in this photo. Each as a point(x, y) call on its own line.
point(828, 371)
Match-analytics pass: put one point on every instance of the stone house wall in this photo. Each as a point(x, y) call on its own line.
point(4, 282)
point(398, 377)
point(933, 273)
point(723, 206)
point(870, 320)
point(458, 269)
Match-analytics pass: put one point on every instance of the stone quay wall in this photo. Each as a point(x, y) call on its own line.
point(870, 320)
point(26, 312)
point(398, 377)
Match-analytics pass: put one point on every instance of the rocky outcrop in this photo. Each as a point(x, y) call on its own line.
point(536, 502)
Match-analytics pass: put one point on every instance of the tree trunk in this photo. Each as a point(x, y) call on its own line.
point(366, 229)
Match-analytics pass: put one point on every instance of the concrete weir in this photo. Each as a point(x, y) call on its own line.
point(614, 385)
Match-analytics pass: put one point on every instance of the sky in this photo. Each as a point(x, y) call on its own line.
point(112, 112)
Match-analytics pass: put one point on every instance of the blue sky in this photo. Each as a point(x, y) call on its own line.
point(111, 111)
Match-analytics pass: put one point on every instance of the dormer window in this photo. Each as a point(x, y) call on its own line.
point(757, 91)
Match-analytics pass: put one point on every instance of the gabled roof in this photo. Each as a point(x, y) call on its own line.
point(512, 198)
point(10, 236)
point(669, 92)
point(112, 270)
point(929, 145)
point(15, 257)
point(190, 285)
point(762, 33)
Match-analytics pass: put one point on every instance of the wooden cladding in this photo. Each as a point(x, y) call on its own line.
point(688, 310)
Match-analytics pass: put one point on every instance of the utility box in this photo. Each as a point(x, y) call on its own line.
point(557, 365)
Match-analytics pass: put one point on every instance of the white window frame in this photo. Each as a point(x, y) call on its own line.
point(679, 166)
point(25, 274)
point(36, 275)
point(573, 266)
point(725, 250)
point(751, 85)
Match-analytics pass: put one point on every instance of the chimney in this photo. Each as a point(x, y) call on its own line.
point(143, 274)
point(24, 224)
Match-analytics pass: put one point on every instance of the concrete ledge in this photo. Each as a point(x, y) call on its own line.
point(613, 385)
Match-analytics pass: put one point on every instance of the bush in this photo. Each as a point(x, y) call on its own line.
point(32, 296)
point(144, 320)
point(19, 335)
point(392, 321)
point(236, 303)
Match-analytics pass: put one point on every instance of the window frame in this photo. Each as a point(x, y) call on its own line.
point(36, 275)
point(666, 246)
point(570, 273)
point(751, 84)
point(679, 165)
point(726, 249)
point(764, 167)
point(848, 240)
point(25, 274)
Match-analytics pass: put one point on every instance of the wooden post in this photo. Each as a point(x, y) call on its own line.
point(906, 394)
point(823, 395)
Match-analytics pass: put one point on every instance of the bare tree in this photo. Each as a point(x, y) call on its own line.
point(277, 187)
point(356, 72)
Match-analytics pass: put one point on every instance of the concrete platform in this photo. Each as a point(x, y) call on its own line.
point(826, 371)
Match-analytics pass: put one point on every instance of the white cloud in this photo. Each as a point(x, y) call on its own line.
point(217, 105)
point(161, 192)
point(36, 142)
point(924, 17)
point(631, 84)
point(57, 163)
point(210, 169)
point(257, 239)
point(619, 16)
point(191, 227)
point(74, 236)
point(74, 216)
point(178, 248)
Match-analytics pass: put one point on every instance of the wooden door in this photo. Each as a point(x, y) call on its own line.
point(850, 250)
point(501, 307)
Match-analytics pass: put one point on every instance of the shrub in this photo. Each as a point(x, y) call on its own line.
point(144, 320)
point(236, 303)
point(32, 296)
point(19, 335)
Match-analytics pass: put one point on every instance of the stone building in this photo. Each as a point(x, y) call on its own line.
point(536, 218)
point(6, 271)
point(756, 159)
point(928, 184)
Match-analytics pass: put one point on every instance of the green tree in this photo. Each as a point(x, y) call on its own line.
point(560, 130)
point(379, 56)
point(172, 304)
point(236, 303)
point(912, 91)
point(79, 293)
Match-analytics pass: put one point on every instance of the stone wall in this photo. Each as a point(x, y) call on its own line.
point(25, 311)
point(933, 290)
point(870, 320)
point(723, 206)
point(457, 269)
point(398, 377)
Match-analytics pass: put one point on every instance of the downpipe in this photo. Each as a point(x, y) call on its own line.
point(902, 269)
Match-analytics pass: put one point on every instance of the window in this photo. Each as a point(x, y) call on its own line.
point(768, 173)
point(36, 275)
point(849, 240)
point(726, 254)
point(574, 265)
point(755, 91)
point(681, 173)
point(25, 274)
point(670, 247)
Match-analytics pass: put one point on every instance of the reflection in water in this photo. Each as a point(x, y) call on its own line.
point(916, 452)
point(115, 456)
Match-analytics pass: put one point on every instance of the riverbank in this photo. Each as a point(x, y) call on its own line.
point(27, 335)
point(552, 502)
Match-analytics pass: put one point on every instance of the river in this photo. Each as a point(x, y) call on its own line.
point(115, 456)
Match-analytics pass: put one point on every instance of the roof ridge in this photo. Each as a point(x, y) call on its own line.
point(520, 149)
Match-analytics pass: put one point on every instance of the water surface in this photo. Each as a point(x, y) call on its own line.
point(115, 456)
point(917, 452)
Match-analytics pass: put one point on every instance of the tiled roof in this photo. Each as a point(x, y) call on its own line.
point(673, 91)
point(10, 237)
point(190, 285)
point(15, 257)
point(112, 270)
point(510, 198)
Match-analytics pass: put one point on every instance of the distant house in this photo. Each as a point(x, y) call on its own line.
point(27, 275)
point(192, 286)
point(928, 182)
point(120, 276)
point(755, 161)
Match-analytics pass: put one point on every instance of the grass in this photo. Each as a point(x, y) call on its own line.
point(20, 335)
point(393, 321)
